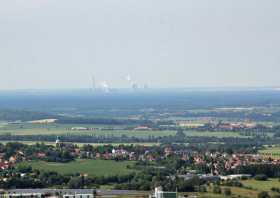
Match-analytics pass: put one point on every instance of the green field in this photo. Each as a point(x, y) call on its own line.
point(93, 144)
point(250, 190)
point(214, 134)
point(60, 129)
point(236, 192)
point(90, 167)
point(273, 152)
point(100, 130)
point(261, 185)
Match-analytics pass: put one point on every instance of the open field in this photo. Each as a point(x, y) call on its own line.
point(90, 167)
point(61, 129)
point(261, 185)
point(240, 191)
point(214, 134)
point(93, 144)
point(236, 192)
point(100, 130)
point(273, 152)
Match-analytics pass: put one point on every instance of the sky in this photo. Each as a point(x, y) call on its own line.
point(50, 44)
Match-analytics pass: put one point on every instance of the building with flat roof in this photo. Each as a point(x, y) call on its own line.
point(159, 193)
point(60, 193)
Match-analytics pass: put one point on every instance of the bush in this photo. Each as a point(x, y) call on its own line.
point(22, 168)
point(263, 195)
point(261, 177)
point(217, 190)
point(227, 191)
point(274, 189)
point(202, 189)
point(233, 183)
point(75, 182)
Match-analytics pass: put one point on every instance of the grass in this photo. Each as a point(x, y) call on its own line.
point(261, 185)
point(214, 134)
point(61, 129)
point(236, 192)
point(93, 144)
point(273, 152)
point(250, 190)
point(206, 195)
point(90, 167)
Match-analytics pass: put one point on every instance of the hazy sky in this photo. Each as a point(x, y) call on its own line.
point(163, 43)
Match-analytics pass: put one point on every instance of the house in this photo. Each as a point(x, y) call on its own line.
point(4, 165)
point(13, 159)
point(40, 155)
point(132, 156)
point(106, 156)
point(168, 150)
point(150, 158)
point(97, 155)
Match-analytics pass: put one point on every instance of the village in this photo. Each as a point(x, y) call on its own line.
point(215, 163)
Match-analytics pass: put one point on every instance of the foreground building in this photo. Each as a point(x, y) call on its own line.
point(59, 193)
point(159, 193)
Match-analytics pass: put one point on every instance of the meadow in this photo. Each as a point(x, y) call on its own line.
point(219, 134)
point(273, 152)
point(251, 189)
point(101, 130)
point(89, 167)
point(262, 185)
point(93, 144)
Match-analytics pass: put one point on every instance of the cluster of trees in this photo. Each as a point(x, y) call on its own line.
point(178, 138)
point(23, 115)
point(23, 176)
point(104, 121)
point(151, 177)
point(261, 171)
point(29, 152)
point(240, 115)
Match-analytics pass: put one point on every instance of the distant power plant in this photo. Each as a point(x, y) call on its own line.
point(103, 86)
point(93, 83)
point(134, 85)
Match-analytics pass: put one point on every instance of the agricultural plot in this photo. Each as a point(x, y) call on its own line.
point(90, 167)
point(101, 130)
point(93, 144)
point(236, 192)
point(262, 185)
point(251, 189)
point(61, 129)
point(273, 152)
point(221, 134)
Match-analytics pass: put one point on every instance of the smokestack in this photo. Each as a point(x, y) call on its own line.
point(93, 83)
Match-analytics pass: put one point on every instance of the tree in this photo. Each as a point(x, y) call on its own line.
point(75, 183)
point(263, 194)
point(261, 177)
point(227, 191)
point(202, 188)
point(217, 190)
point(24, 168)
